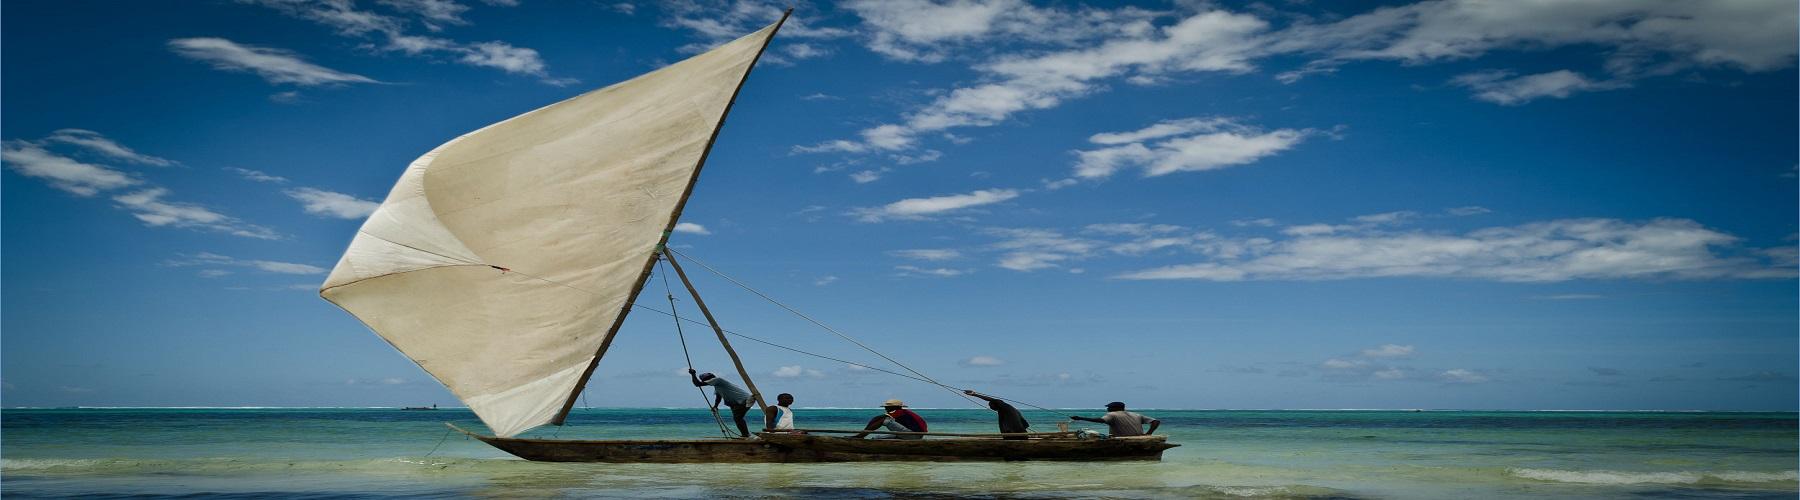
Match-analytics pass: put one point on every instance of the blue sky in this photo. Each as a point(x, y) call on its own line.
point(1444, 204)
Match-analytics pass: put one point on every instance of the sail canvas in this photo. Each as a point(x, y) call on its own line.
point(503, 260)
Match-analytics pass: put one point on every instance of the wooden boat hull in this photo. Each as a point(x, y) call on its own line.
point(799, 448)
point(1131, 448)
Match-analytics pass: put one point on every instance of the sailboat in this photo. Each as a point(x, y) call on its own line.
point(504, 262)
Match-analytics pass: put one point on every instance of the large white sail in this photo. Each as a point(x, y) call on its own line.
point(503, 260)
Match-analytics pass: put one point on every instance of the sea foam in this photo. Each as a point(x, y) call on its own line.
point(1674, 477)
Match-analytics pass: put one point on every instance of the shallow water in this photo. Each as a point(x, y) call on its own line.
point(321, 453)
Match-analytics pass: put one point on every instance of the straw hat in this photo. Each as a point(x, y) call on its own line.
point(893, 402)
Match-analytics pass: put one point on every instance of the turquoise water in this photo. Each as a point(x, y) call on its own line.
point(321, 453)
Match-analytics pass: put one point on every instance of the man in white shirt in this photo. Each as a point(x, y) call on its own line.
point(1122, 423)
point(784, 415)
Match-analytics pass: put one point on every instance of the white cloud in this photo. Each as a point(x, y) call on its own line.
point(918, 208)
point(1343, 364)
point(78, 178)
point(213, 273)
point(1462, 376)
point(343, 16)
point(941, 272)
point(931, 254)
point(1089, 47)
point(1570, 296)
point(1467, 211)
point(1557, 250)
point(867, 176)
point(502, 55)
point(147, 204)
point(804, 51)
point(1389, 351)
point(715, 22)
point(1207, 41)
point(691, 228)
point(625, 8)
point(825, 280)
point(1185, 145)
point(1749, 35)
point(1312, 229)
point(257, 176)
point(332, 204)
point(796, 371)
point(935, 30)
point(1262, 222)
point(100, 144)
point(1386, 217)
point(834, 146)
point(267, 266)
point(1166, 128)
point(149, 207)
point(1389, 374)
point(274, 65)
point(286, 97)
point(1501, 87)
point(436, 13)
point(1029, 249)
point(982, 361)
point(928, 155)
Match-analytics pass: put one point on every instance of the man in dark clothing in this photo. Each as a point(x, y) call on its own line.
point(1010, 419)
point(728, 393)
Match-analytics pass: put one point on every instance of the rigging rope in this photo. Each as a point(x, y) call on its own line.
point(822, 356)
point(833, 331)
point(684, 349)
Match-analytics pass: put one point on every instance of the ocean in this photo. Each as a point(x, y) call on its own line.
point(374, 452)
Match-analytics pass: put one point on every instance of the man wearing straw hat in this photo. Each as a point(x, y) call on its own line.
point(898, 419)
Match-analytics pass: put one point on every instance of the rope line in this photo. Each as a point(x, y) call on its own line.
point(434, 449)
point(822, 356)
point(779, 346)
point(684, 348)
point(828, 328)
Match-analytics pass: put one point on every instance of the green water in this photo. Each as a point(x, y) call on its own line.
point(320, 453)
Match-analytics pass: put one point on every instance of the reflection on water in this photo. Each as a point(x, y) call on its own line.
point(325, 453)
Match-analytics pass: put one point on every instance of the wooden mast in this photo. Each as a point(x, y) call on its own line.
point(754, 394)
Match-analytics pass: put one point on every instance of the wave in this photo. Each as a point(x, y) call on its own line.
point(1674, 477)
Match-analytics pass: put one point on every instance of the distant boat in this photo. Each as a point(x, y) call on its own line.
point(418, 408)
point(504, 261)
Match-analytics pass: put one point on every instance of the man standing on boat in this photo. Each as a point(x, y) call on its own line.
point(898, 419)
point(728, 393)
point(1123, 423)
point(1010, 420)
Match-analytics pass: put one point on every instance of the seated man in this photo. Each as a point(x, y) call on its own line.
point(1122, 423)
point(783, 418)
point(898, 419)
point(728, 393)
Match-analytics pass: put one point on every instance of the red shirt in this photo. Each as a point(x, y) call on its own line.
point(909, 419)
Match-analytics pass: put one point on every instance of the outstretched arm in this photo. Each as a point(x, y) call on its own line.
point(717, 398)
point(1086, 419)
point(1153, 425)
point(983, 397)
point(695, 379)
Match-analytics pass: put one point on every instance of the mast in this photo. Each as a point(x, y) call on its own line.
point(754, 394)
point(650, 263)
